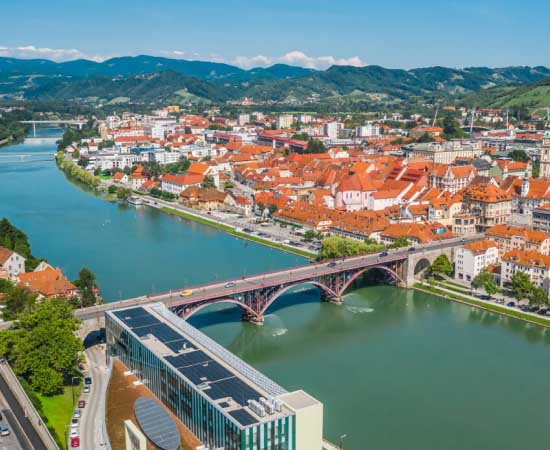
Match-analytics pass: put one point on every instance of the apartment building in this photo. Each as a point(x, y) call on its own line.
point(510, 238)
point(471, 259)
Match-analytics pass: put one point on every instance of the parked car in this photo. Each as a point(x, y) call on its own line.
point(229, 285)
point(76, 414)
point(511, 304)
point(383, 254)
point(331, 264)
point(4, 429)
point(75, 442)
point(75, 423)
point(86, 389)
point(88, 380)
point(412, 249)
point(81, 404)
point(73, 433)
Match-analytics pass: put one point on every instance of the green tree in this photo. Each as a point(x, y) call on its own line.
point(309, 235)
point(537, 296)
point(260, 207)
point(87, 287)
point(521, 285)
point(315, 146)
point(481, 279)
point(208, 182)
point(442, 266)
point(112, 189)
point(401, 241)
point(123, 193)
point(42, 346)
point(491, 288)
point(272, 209)
point(17, 300)
point(519, 155)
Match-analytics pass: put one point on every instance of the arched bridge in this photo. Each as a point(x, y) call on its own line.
point(255, 294)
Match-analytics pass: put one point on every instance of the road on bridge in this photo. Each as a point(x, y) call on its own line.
point(277, 278)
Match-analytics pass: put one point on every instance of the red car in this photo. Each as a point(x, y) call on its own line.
point(75, 442)
point(81, 403)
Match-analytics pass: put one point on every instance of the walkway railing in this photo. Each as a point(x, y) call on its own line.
point(25, 402)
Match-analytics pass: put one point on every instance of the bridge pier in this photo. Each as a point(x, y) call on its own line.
point(252, 318)
point(338, 300)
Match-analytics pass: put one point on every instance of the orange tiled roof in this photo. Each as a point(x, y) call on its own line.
point(479, 247)
point(528, 258)
point(48, 282)
point(506, 231)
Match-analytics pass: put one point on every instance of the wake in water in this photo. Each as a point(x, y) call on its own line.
point(359, 309)
point(275, 325)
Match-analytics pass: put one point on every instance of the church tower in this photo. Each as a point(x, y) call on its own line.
point(545, 156)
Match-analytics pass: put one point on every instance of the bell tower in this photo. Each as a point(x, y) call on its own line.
point(545, 156)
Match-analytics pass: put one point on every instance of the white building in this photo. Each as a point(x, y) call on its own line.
point(243, 119)
point(285, 121)
point(471, 259)
point(531, 262)
point(11, 263)
point(368, 130)
point(158, 132)
point(331, 130)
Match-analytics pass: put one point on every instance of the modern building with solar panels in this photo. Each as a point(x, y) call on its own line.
point(224, 401)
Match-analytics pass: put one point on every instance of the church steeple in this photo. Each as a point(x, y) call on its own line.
point(545, 156)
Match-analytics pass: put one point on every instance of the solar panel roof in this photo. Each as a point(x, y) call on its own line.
point(188, 359)
point(206, 372)
point(241, 416)
point(232, 387)
point(131, 313)
point(157, 424)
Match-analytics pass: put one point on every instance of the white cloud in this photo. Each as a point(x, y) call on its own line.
point(297, 58)
point(54, 54)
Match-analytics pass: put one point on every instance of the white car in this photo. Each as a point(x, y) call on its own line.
point(86, 389)
point(75, 423)
point(73, 433)
point(76, 414)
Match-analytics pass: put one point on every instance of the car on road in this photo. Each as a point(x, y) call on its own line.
point(186, 293)
point(75, 442)
point(229, 285)
point(4, 429)
point(81, 404)
point(511, 304)
point(87, 389)
point(383, 254)
point(75, 423)
point(88, 380)
point(412, 249)
point(73, 433)
point(331, 264)
point(77, 414)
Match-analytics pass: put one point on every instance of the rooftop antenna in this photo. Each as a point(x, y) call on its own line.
point(435, 116)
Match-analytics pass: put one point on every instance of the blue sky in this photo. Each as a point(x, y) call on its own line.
point(319, 33)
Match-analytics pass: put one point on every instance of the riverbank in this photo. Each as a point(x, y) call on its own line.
point(471, 301)
point(233, 232)
point(70, 169)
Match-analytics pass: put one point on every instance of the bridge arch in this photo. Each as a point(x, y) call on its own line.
point(192, 311)
point(282, 291)
point(365, 270)
point(421, 265)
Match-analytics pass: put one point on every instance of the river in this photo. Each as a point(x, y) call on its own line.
point(395, 369)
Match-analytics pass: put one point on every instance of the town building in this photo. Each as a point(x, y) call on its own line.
point(464, 224)
point(473, 258)
point(175, 184)
point(491, 204)
point(510, 238)
point(417, 233)
point(284, 121)
point(545, 156)
point(48, 282)
point(541, 218)
point(226, 403)
point(445, 152)
point(451, 178)
point(11, 263)
point(531, 262)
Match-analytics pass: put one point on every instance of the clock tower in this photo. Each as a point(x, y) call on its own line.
point(545, 156)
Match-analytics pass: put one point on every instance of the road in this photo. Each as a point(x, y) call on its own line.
point(22, 429)
point(275, 278)
point(91, 437)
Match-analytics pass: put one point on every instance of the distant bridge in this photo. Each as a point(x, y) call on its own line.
point(255, 294)
point(79, 123)
point(10, 157)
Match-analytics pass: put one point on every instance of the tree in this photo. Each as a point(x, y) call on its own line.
point(260, 207)
point(481, 279)
point(17, 300)
point(208, 182)
point(491, 288)
point(42, 346)
point(315, 146)
point(309, 235)
point(401, 241)
point(537, 296)
point(519, 155)
point(123, 193)
point(442, 266)
point(112, 189)
point(87, 286)
point(521, 285)
point(272, 209)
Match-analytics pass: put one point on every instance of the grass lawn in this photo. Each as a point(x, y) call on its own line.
point(57, 411)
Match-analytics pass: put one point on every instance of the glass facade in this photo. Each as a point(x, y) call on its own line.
point(215, 428)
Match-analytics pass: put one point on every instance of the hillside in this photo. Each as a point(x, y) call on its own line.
point(148, 79)
point(532, 96)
